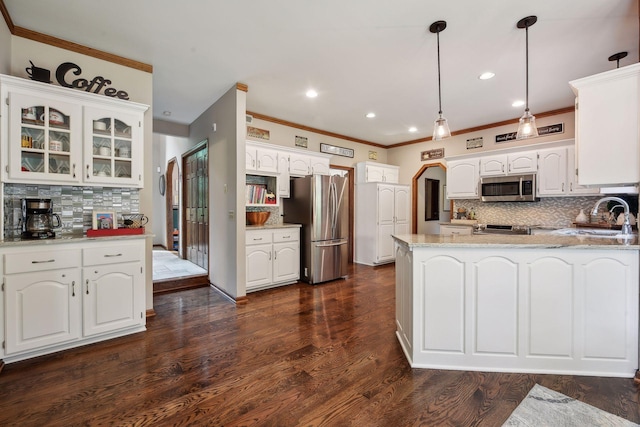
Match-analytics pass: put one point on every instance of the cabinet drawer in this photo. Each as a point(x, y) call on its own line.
point(111, 254)
point(258, 237)
point(286, 235)
point(41, 260)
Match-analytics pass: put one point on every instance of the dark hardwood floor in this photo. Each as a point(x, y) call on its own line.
point(294, 356)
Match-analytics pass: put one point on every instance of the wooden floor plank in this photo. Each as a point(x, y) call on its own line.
point(323, 355)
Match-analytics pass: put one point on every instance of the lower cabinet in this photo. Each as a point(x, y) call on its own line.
point(450, 230)
point(273, 257)
point(71, 295)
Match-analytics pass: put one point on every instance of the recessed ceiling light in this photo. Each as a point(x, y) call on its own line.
point(311, 93)
point(518, 103)
point(166, 113)
point(413, 129)
point(370, 115)
point(486, 75)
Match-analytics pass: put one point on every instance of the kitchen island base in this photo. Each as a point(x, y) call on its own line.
point(510, 308)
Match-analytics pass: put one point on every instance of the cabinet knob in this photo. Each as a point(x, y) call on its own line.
point(87, 171)
point(73, 167)
point(73, 288)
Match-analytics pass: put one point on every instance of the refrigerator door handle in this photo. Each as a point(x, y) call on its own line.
point(326, 245)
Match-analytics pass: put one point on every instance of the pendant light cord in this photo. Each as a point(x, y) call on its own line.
point(526, 31)
point(439, 89)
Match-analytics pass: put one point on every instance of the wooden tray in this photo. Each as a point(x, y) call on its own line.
point(115, 232)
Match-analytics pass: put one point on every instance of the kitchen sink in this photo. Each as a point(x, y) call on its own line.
point(591, 232)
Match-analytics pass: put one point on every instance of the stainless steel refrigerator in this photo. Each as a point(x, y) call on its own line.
point(320, 204)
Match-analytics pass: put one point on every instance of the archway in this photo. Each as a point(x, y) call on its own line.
point(172, 200)
point(414, 195)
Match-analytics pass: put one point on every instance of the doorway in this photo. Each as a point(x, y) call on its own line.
point(195, 177)
point(172, 200)
point(420, 204)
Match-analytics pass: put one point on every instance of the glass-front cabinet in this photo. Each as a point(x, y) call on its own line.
point(50, 134)
point(45, 140)
point(114, 155)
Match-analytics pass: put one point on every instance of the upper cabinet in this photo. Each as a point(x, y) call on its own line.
point(261, 159)
point(512, 163)
point(377, 172)
point(462, 178)
point(607, 131)
point(54, 134)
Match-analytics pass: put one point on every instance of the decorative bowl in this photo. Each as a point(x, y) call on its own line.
point(257, 218)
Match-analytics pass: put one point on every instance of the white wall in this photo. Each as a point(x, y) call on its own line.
point(138, 84)
point(5, 48)
point(226, 189)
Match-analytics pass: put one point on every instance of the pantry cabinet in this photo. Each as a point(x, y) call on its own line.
point(377, 172)
point(59, 296)
point(53, 134)
point(607, 132)
point(272, 257)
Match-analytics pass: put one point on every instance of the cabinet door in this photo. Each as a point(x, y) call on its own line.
point(391, 175)
point(493, 165)
point(572, 177)
point(258, 265)
point(42, 309)
point(386, 202)
point(525, 162)
point(401, 205)
point(113, 298)
point(284, 186)
point(286, 261)
point(374, 173)
point(299, 165)
point(462, 179)
point(553, 172)
point(251, 161)
point(266, 160)
point(113, 147)
point(320, 166)
point(385, 247)
point(45, 139)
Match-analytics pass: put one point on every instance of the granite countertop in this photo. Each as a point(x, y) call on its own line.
point(268, 226)
point(542, 241)
point(68, 239)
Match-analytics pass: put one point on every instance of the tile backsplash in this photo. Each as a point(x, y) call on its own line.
point(548, 211)
point(75, 205)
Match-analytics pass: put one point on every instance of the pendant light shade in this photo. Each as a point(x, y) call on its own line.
point(440, 126)
point(527, 125)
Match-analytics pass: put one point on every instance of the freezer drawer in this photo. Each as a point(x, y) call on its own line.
point(327, 261)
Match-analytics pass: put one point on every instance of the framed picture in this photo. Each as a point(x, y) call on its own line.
point(103, 220)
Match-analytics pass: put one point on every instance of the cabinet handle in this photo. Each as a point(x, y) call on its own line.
point(571, 187)
point(286, 237)
point(275, 255)
point(269, 255)
point(112, 255)
point(43, 262)
point(256, 240)
point(87, 171)
point(563, 186)
point(73, 167)
point(87, 286)
point(258, 164)
point(73, 288)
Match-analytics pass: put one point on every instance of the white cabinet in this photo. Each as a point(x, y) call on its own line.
point(452, 230)
point(319, 165)
point(377, 172)
point(382, 210)
point(462, 178)
point(561, 311)
point(607, 131)
point(60, 296)
point(261, 159)
point(284, 185)
point(43, 141)
point(512, 163)
point(556, 174)
point(273, 257)
point(302, 164)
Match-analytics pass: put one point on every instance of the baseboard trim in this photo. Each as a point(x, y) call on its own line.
point(150, 313)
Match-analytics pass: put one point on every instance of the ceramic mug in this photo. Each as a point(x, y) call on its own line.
point(124, 152)
point(104, 151)
point(55, 145)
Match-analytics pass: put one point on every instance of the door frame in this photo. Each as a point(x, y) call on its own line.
point(172, 167)
point(199, 146)
point(352, 179)
point(414, 195)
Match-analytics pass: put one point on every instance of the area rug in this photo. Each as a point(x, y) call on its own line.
point(544, 407)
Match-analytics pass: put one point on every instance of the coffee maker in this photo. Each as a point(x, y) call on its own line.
point(38, 219)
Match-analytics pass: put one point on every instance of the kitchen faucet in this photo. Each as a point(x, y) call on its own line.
point(626, 226)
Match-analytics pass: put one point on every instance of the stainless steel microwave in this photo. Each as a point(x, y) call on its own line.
point(512, 188)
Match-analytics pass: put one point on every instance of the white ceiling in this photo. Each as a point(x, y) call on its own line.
point(360, 55)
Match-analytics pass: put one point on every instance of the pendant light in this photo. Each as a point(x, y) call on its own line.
point(440, 126)
point(527, 126)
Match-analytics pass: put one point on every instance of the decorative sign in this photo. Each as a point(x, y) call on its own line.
point(332, 149)
point(542, 131)
point(474, 143)
point(94, 85)
point(301, 141)
point(257, 133)
point(437, 153)
point(548, 130)
point(373, 155)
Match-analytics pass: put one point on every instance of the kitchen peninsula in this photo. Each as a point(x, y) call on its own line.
point(532, 303)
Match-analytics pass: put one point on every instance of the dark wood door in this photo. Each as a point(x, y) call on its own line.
point(196, 203)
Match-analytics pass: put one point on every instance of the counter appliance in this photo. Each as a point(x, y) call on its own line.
point(509, 188)
point(38, 219)
point(320, 204)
